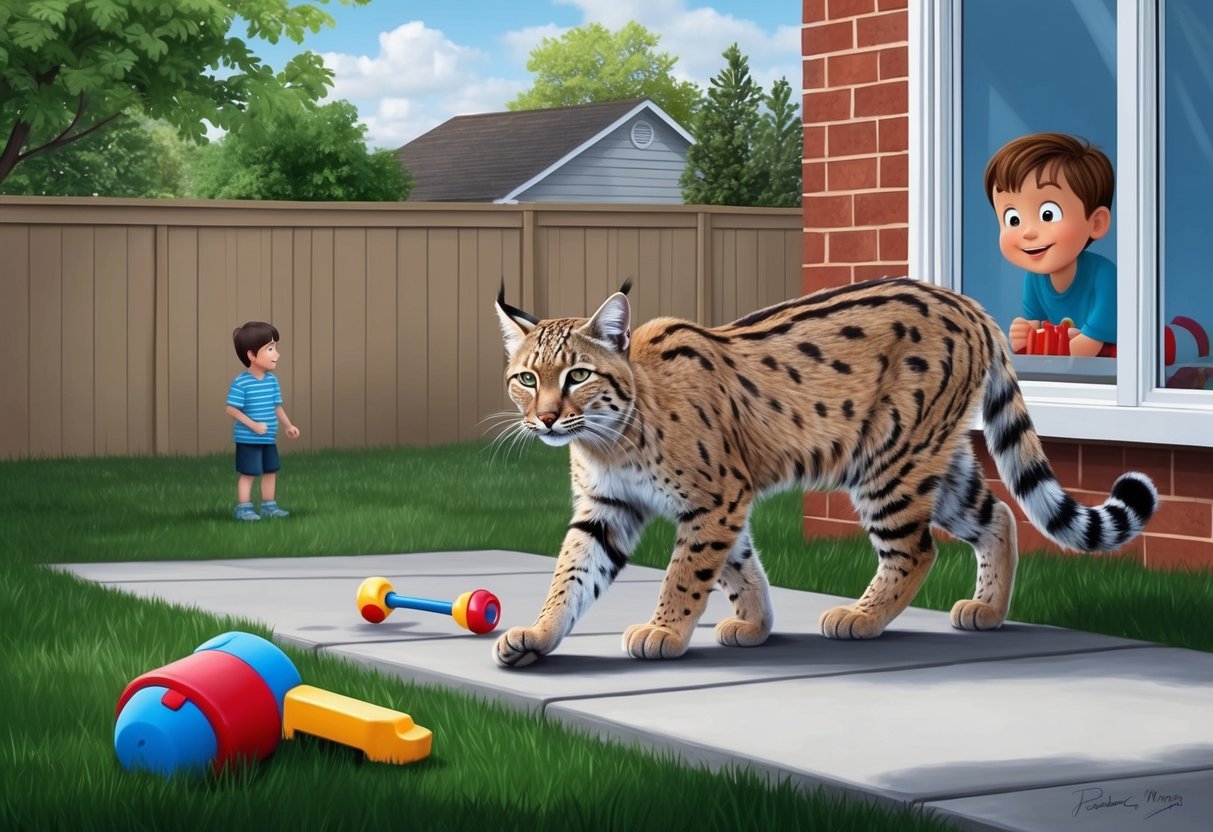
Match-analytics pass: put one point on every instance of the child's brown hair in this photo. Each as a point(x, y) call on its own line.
point(252, 337)
point(1087, 170)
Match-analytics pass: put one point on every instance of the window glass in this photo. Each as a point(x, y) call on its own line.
point(1186, 102)
point(1048, 66)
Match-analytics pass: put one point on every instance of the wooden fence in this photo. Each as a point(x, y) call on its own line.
point(116, 315)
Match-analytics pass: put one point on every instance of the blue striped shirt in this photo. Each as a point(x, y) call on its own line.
point(257, 398)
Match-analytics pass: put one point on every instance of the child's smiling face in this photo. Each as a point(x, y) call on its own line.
point(1043, 229)
point(266, 357)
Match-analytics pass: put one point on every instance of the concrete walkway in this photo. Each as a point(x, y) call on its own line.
point(1026, 728)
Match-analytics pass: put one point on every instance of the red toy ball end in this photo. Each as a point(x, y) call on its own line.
point(483, 612)
point(373, 614)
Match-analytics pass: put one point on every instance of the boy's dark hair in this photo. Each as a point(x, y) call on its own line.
point(252, 336)
point(1087, 170)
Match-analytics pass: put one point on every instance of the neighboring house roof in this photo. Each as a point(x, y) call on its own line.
point(493, 157)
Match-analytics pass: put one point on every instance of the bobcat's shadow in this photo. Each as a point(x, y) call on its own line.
point(793, 654)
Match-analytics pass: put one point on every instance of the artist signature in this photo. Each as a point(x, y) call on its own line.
point(1150, 801)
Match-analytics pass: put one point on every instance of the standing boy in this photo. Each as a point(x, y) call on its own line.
point(255, 402)
point(1052, 195)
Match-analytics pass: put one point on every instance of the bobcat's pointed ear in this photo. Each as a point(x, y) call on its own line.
point(515, 324)
point(611, 323)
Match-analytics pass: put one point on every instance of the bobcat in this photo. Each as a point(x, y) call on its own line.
point(869, 387)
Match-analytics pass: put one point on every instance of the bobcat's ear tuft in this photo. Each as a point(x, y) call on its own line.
point(626, 287)
point(610, 325)
point(515, 324)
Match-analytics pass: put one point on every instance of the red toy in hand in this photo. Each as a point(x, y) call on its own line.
point(1050, 339)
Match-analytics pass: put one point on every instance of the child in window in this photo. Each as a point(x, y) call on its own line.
point(1052, 194)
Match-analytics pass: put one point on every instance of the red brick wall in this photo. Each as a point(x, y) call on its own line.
point(856, 216)
point(1179, 536)
point(856, 172)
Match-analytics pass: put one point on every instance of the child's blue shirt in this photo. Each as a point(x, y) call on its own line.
point(258, 398)
point(1090, 301)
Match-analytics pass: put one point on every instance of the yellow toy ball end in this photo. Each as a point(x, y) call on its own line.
point(372, 599)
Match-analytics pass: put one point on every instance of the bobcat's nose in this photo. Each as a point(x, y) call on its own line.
point(547, 419)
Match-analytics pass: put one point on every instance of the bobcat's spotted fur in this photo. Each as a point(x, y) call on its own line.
point(869, 388)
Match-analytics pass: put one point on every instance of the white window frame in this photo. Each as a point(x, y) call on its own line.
point(1134, 409)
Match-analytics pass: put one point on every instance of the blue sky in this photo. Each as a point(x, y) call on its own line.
point(409, 66)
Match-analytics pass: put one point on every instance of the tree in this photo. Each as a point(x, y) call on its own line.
point(777, 149)
point(70, 67)
point(317, 154)
point(592, 64)
point(133, 157)
point(719, 170)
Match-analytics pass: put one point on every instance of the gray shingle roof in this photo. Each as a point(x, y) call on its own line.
point(480, 158)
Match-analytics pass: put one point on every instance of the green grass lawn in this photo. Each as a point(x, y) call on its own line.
point(67, 648)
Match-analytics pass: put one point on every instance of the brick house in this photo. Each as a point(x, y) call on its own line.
point(891, 143)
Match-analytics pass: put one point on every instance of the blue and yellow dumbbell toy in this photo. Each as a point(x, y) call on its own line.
point(478, 610)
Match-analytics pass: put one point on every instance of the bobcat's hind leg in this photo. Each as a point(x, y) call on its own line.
point(967, 510)
point(898, 524)
point(744, 581)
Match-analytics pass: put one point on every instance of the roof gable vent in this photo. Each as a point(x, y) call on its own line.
point(642, 134)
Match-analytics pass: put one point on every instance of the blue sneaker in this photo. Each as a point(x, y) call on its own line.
point(270, 509)
point(244, 511)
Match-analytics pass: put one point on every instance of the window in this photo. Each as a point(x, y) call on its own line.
point(1186, 104)
point(1134, 77)
point(1050, 66)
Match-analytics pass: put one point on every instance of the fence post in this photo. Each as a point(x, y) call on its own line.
point(527, 300)
point(161, 344)
point(703, 267)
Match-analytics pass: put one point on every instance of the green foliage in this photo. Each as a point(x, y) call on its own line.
point(742, 157)
point(718, 169)
point(317, 154)
point(592, 64)
point(778, 149)
point(68, 67)
point(131, 157)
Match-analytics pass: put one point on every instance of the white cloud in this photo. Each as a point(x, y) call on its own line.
point(412, 59)
point(392, 122)
point(521, 42)
point(419, 79)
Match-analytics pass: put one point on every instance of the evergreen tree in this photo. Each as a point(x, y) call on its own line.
point(778, 149)
point(719, 168)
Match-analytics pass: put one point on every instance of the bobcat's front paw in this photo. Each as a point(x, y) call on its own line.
point(520, 646)
point(968, 614)
point(648, 641)
point(736, 632)
point(849, 623)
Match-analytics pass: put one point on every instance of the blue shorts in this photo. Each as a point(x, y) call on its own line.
point(253, 460)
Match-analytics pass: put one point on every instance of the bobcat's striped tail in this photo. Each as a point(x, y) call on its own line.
point(1022, 465)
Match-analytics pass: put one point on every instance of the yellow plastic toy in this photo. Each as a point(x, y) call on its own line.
point(384, 735)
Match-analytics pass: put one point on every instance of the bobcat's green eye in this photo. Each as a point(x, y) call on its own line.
point(527, 379)
point(579, 375)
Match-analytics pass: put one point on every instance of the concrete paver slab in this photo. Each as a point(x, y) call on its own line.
point(1159, 803)
point(310, 602)
point(591, 662)
point(942, 732)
